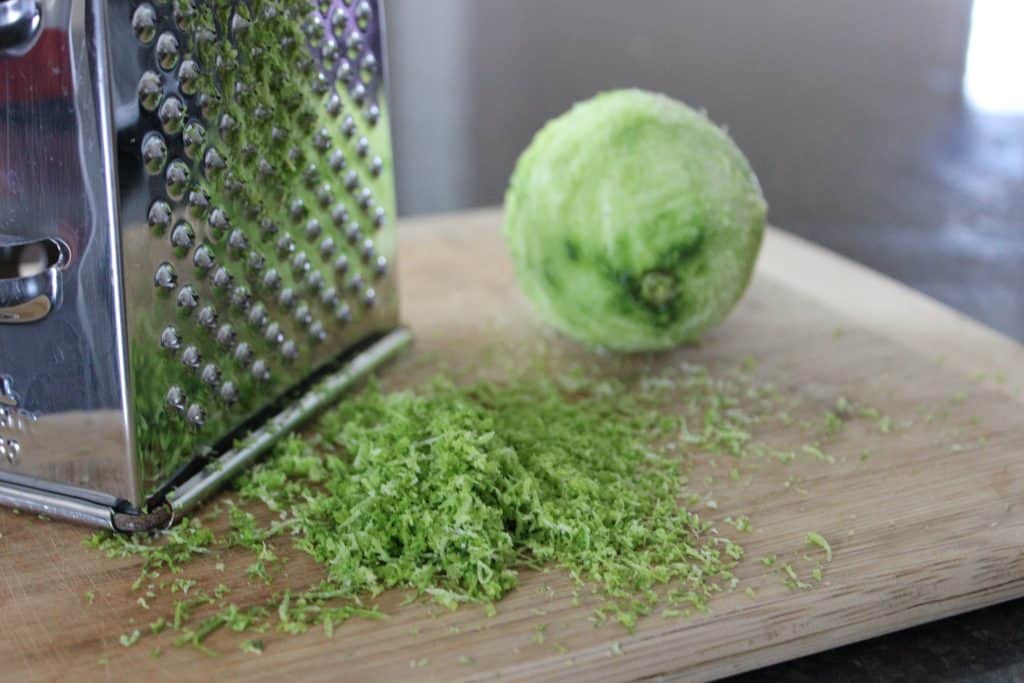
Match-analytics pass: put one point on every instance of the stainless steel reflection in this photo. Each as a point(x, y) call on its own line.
point(186, 194)
point(67, 369)
point(19, 22)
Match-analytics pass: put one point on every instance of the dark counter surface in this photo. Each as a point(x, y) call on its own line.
point(890, 132)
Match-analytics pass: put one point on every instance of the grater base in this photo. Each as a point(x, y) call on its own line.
point(184, 498)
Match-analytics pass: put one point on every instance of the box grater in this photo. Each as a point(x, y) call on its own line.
point(196, 241)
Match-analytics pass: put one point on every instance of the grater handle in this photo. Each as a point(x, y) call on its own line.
point(30, 280)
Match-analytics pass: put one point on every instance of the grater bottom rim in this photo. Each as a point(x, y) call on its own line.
point(327, 387)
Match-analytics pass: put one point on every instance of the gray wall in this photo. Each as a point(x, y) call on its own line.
point(850, 110)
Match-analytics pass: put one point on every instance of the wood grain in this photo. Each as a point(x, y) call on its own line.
point(920, 530)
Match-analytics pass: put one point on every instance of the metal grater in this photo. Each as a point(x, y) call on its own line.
point(196, 241)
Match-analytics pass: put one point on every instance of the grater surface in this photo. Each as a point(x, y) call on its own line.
point(254, 215)
point(266, 202)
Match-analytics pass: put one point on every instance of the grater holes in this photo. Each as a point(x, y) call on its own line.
point(210, 375)
point(339, 216)
point(354, 44)
point(317, 332)
point(167, 51)
point(175, 399)
point(362, 147)
point(285, 245)
point(341, 265)
point(257, 316)
point(324, 195)
point(314, 29)
point(364, 14)
point(358, 92)
point(343, 313)
point(177, 179)
point(329, 52)
point(367, 252)
point(255, 263)
point(144, 23)
point(229, 393)
point(348, 126)
point(300, 264)
point(226, 336)
point(333, 105)
point(313, 229)
point(154, 153)
point(239, 25)
point(203, 259)
point(261, 370)
point(184, 14)
point(188, 77)
point(314, 281)
point(311, 176)
point(237, 242)
point(241, 298)
point(365, 199)
point(355, 283)
point(191, 358)
point(337, 161)
point(207, 317)
point(368, 68)
point(372, 115)
point(344, 74)
point(159, 217)
point(303, 315)
point(289, 350)
point(273, 333)
point(286, 298)
point(243, 354)
point(352, 181)
point(150, 90)
point(165, 278)
point(272, 280)
point(219, 223)
point(321, 84)
point(170, 339)
point(197, 204)
point(183, 237)
point(268, 228)
point(172, 115)
point(339, 21)
point(329, 298)
point(233, 187)
point(322, 140)
point(196, 416)
point(213, 163)
point(353, 233)
point(222, 278)
point(327, 248)
point(188, 299)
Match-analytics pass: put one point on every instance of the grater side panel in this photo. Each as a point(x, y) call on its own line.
point(257, 208)
point(63, 419)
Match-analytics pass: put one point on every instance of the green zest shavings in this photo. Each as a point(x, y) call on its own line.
point(129, 639)
point(814, 538)
point(448, 492)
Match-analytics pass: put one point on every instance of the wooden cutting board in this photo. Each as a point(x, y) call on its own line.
point(929, 525)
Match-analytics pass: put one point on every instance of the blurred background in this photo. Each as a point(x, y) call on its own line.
point(892, 132)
